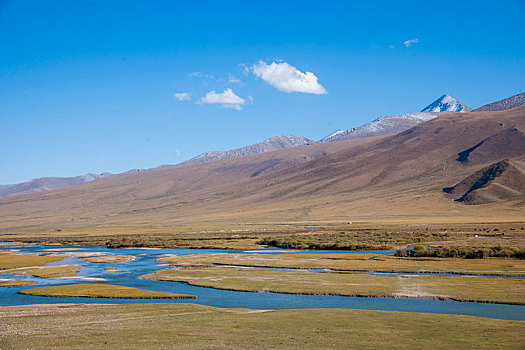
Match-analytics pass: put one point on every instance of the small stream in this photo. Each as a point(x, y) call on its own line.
point(128, 274)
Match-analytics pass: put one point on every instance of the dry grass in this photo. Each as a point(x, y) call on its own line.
point(110, 259)
point(187, 326)
point(15, 282)
point(493, 290)
point(46, 271)
point(359, 263)
point(11, 261)
point(97, 290)
point(300, 235)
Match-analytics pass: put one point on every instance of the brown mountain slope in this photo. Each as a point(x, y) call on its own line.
point(130, 194)
point(424, 155)
point(506, 143)
point(503, 180)
point(507, 103)
point(48, 183)
point(398, 177)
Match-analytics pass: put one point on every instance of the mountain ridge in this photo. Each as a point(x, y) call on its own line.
point(271, 144)
point(391, 124)
point(390, 178)
point(49, 183)
point(506, 103)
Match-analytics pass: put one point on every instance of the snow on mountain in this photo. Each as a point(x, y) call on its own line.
point(396, 123)
point(446, 103)
point(336, 135)
point(508, 103)
point(392, 124)
point(272, 144)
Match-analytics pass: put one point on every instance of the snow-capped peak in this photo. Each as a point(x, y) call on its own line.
point(446, 103)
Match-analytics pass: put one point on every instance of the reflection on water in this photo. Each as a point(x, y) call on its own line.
point(128, 274)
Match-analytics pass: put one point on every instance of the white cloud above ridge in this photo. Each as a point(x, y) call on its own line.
point(182, 96)
point(410, 42)
point(227, 99)
point(287, 78)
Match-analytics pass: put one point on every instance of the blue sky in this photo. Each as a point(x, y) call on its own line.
point(88, 86)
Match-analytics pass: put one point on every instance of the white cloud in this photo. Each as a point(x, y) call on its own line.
point(182, 96)
point(227, 99)
point(391, 47)
point(411, 42)
point(287, 78)
point(244, 68)
point(200, 75)
point(233, 79)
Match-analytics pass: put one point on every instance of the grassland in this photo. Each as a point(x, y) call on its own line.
point(46, 271)
point(358, 263)
point(109, 259)
point(478, 289)
point(292, 235)
point(14, 282)
point(187, 326)
point(11, 261)
point(98, 290)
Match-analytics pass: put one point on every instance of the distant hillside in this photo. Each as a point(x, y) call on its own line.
point(392, 178)
point(272, 144)
point(48, 183)
point(500, 181)
point(508, 103)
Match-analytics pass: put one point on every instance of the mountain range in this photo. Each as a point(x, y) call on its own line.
point(463, 166)
point(49, 183)
point(380, 127)
point(392, 124)
point(272, 144)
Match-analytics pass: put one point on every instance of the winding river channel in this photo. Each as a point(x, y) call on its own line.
point(128, 274)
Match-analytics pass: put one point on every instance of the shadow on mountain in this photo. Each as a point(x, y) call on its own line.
point(507, 143)
point(503, 180)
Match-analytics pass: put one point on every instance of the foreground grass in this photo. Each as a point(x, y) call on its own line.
point(11, 261)
point(187, 326)
point(360, 263)
point(45, 271)
point(109, 259)
point(98, 290)
point(479, 289)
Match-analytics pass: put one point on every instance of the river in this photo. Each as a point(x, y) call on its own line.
point(128, 274)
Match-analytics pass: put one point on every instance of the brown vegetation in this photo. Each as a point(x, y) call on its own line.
point(97, 290)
